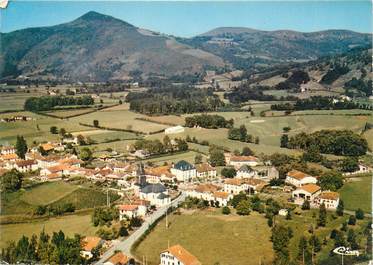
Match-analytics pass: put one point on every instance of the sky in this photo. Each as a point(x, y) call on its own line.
point(190, 18)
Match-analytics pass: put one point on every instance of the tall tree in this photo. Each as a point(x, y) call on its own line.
point(21, 146)
point(340, 208)
point(321, 221)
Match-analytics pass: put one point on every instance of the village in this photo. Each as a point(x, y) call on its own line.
point(150, 188)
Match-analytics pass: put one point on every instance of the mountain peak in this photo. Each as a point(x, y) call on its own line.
point(93, 15)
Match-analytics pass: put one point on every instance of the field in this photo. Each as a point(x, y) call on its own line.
point(70, 225)
point(121, 118)
point(187, 156)
point(16, 101)
point(24, 202)
point(212, 238)
point(357, 193)
point(369, 136)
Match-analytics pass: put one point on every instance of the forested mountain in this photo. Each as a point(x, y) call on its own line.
point(245, 47)
point(98, 47)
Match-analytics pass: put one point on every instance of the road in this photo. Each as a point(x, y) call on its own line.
point(125, 245)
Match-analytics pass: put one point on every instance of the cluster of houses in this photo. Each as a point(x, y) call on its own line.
point(16, 118)
point(306, 189)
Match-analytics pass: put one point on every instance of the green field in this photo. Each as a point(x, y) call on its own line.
point(121, 118)
point(70, 225)
point(24, 202)
point(357, 193)
point(16, 101)
point(212, 238)
point(369, 136)
point(35, 130)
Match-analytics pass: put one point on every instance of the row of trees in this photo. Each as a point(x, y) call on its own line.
point(49, 102)
point(208, 121)
point(319, 103)
point(45, 249)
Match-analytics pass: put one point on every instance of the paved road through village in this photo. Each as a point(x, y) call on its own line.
point(125, 245)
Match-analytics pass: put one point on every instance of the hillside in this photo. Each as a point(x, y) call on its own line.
point(348, 73)
point(97, 47)
point(245, 47)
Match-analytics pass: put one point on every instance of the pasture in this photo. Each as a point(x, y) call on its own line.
point(16, 101)
point(69, 224)
point(211, 237)
point(24, 202)
point(357, 193)
point(120, 118)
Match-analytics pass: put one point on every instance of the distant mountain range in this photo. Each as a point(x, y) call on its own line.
point(97, 47)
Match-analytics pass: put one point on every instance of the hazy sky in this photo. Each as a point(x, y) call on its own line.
point(191, 18)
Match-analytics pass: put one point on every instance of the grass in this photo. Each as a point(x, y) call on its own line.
point(24, 202)
point(47, 193)
point(70, 112)
point(86, 198)
point(16, 101)
point(120, 118)
point(187, 156)
point(70, 225)
point(212, 237)
point(368, 135)
point(357, 193)
point(36, 130)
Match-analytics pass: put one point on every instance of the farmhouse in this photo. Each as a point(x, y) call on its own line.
point(205, 170)
point(238, 161)
point(88, 244)
point(9, 157)
point(298, 178)
point(25, 165)
point(128, 211)
point(222, 197)
point(245, 171)
point(307, 192)
point(363, 169)
point(329, 198)
point(6, 150)
point(117, 259)
point(184, 171)
point(203, 191)
point(174, 130)
point(177, 255)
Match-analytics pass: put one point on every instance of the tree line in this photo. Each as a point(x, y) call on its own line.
point(336, 142)
point(173, 100)
point(49, 102)
point(319, 103)
point(208, 121)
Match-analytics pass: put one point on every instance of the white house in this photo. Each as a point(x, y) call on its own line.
point(329, 198)
point(88, 244)
point(306, 192)
point(205, 170)
point(6, 150)
point(128, 211)
point(236, 185)
point(283, 212)
point(363, 169)
point(245, 171)
point(298, 178)
point(222, 197)
point(238, 161)
point(184, 171)
point(177, 255)
point(174, 130)
point(25, 165)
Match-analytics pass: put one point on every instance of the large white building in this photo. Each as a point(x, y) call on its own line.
point(329, 198)
point(184, 171)
point(298, 178)
point(239, 161)
point(177, 255)
point(307, 192)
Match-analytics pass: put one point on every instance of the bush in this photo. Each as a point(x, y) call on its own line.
point(359, 214)
point(352, 220)
point(225, 210)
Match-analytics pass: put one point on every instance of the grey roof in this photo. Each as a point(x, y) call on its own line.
point(162, 196)
point(183, 165)
point(153, 188)
point(245, 168)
